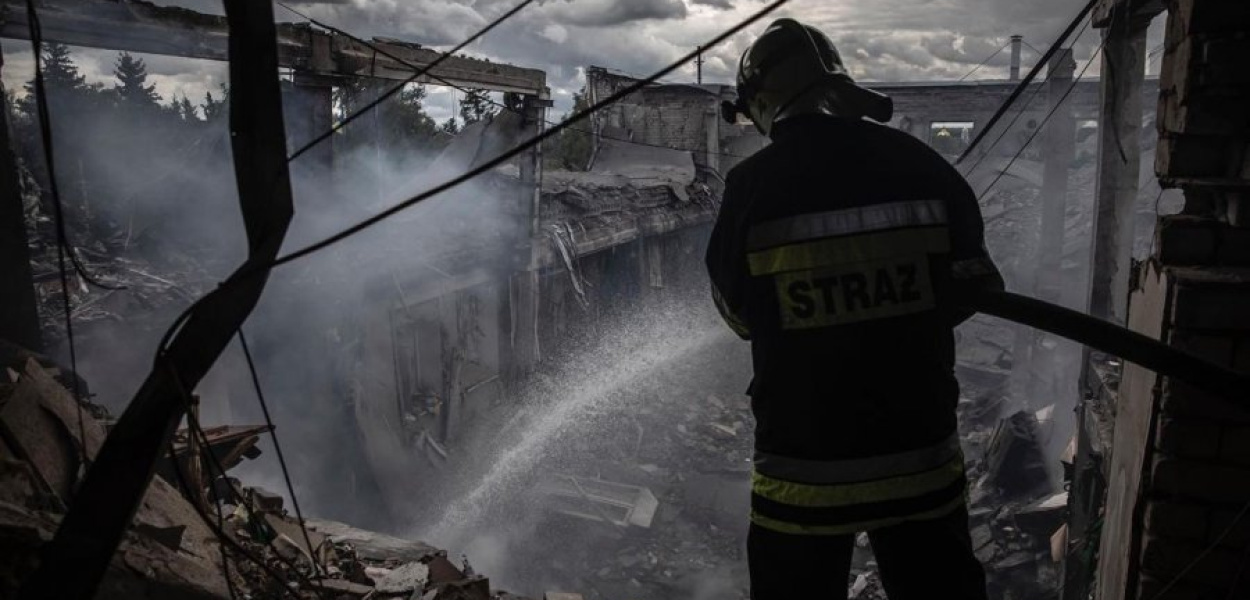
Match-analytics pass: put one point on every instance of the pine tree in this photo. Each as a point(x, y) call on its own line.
point(475, 106)
point(214, 107)
point(132, 77)
point(186, 110)
point(59, 71)
point(450, 127)
point(60, 78)
point(573, 145)
point(406, 117)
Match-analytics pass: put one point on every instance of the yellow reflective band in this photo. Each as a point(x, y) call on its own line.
point(853, 293)
point(850, 249)
point(861, 219)
point(868, 492)
point(855, 527)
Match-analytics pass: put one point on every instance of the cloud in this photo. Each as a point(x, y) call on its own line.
point(555, 33)
point(883, 40)
point(603, 13)
point(721, 4)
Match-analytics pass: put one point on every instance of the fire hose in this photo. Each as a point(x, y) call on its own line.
point(1113, 339)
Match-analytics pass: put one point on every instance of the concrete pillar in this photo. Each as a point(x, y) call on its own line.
point(314, 103)
point(524, 295)
point(1058, 151)
point(712, 121)
point(1119, 164)
point(1035, 367)
point(19, 314)
point(1016, 42)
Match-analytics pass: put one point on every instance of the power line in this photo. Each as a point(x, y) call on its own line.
point(1015, 93)
point(195, 429)
point(518, 149)
point(273, 435)
point(986, 61)
point(1041, 125)
point(1003, 133)
point(1202, 555)
point(219, 532)
point(45, 131)
point(416, 75)
point(456, 181)
point(485, 98)
point(64, 247)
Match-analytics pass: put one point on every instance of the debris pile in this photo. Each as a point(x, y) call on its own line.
point(650, 502)
point(1013, 510)
point(174, 548)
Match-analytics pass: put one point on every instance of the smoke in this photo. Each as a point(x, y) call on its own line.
point(592, 414)
point(152, 202)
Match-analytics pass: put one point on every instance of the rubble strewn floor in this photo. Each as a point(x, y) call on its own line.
point(172, 549)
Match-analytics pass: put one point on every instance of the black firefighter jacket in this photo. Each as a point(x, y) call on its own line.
point(835, 253)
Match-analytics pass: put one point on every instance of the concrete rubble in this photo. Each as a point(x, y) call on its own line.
point(170, 550)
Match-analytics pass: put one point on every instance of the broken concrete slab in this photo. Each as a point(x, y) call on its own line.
point(561, 596)
point(1043, 517)
point(1014, 461)
point(372, 545)
point(340, 587)
point(405, 579)
point(618, 504)
point(41, 426)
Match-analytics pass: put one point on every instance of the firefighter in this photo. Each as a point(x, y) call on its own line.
point(840, 251)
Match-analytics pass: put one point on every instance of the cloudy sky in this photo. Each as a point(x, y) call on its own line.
point(881, 40)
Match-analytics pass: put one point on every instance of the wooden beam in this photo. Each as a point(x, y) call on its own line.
point(144, 27)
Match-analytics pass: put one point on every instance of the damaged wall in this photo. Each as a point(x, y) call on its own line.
point(1178, 497)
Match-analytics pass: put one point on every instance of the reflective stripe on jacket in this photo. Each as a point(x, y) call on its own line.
point(835, 252)
point(845, 496)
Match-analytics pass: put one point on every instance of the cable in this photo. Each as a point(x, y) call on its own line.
point(456, 181)
point(1015, 93)
point(518, 149)
point(45, 130)
point(1202, 555)
point(273, 435)
point(221, 524)
point(1245, 560)
point(1003, 133)
point(194, 429)
point(1041, 125)
point(984, 62)
point(220, 533)
point(416, 75)
point(484, 97)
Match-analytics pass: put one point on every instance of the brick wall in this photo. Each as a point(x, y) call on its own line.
point(1199, 450)
point(1191, 507)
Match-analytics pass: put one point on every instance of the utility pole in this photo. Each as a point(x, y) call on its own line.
point(698, 65)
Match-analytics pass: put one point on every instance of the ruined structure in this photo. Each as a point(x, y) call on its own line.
point(440, 343)
point(1160, 491)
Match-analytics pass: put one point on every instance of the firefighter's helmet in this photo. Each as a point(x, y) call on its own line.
point(792, 63)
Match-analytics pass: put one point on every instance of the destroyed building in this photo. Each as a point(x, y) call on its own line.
point(534, 390)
